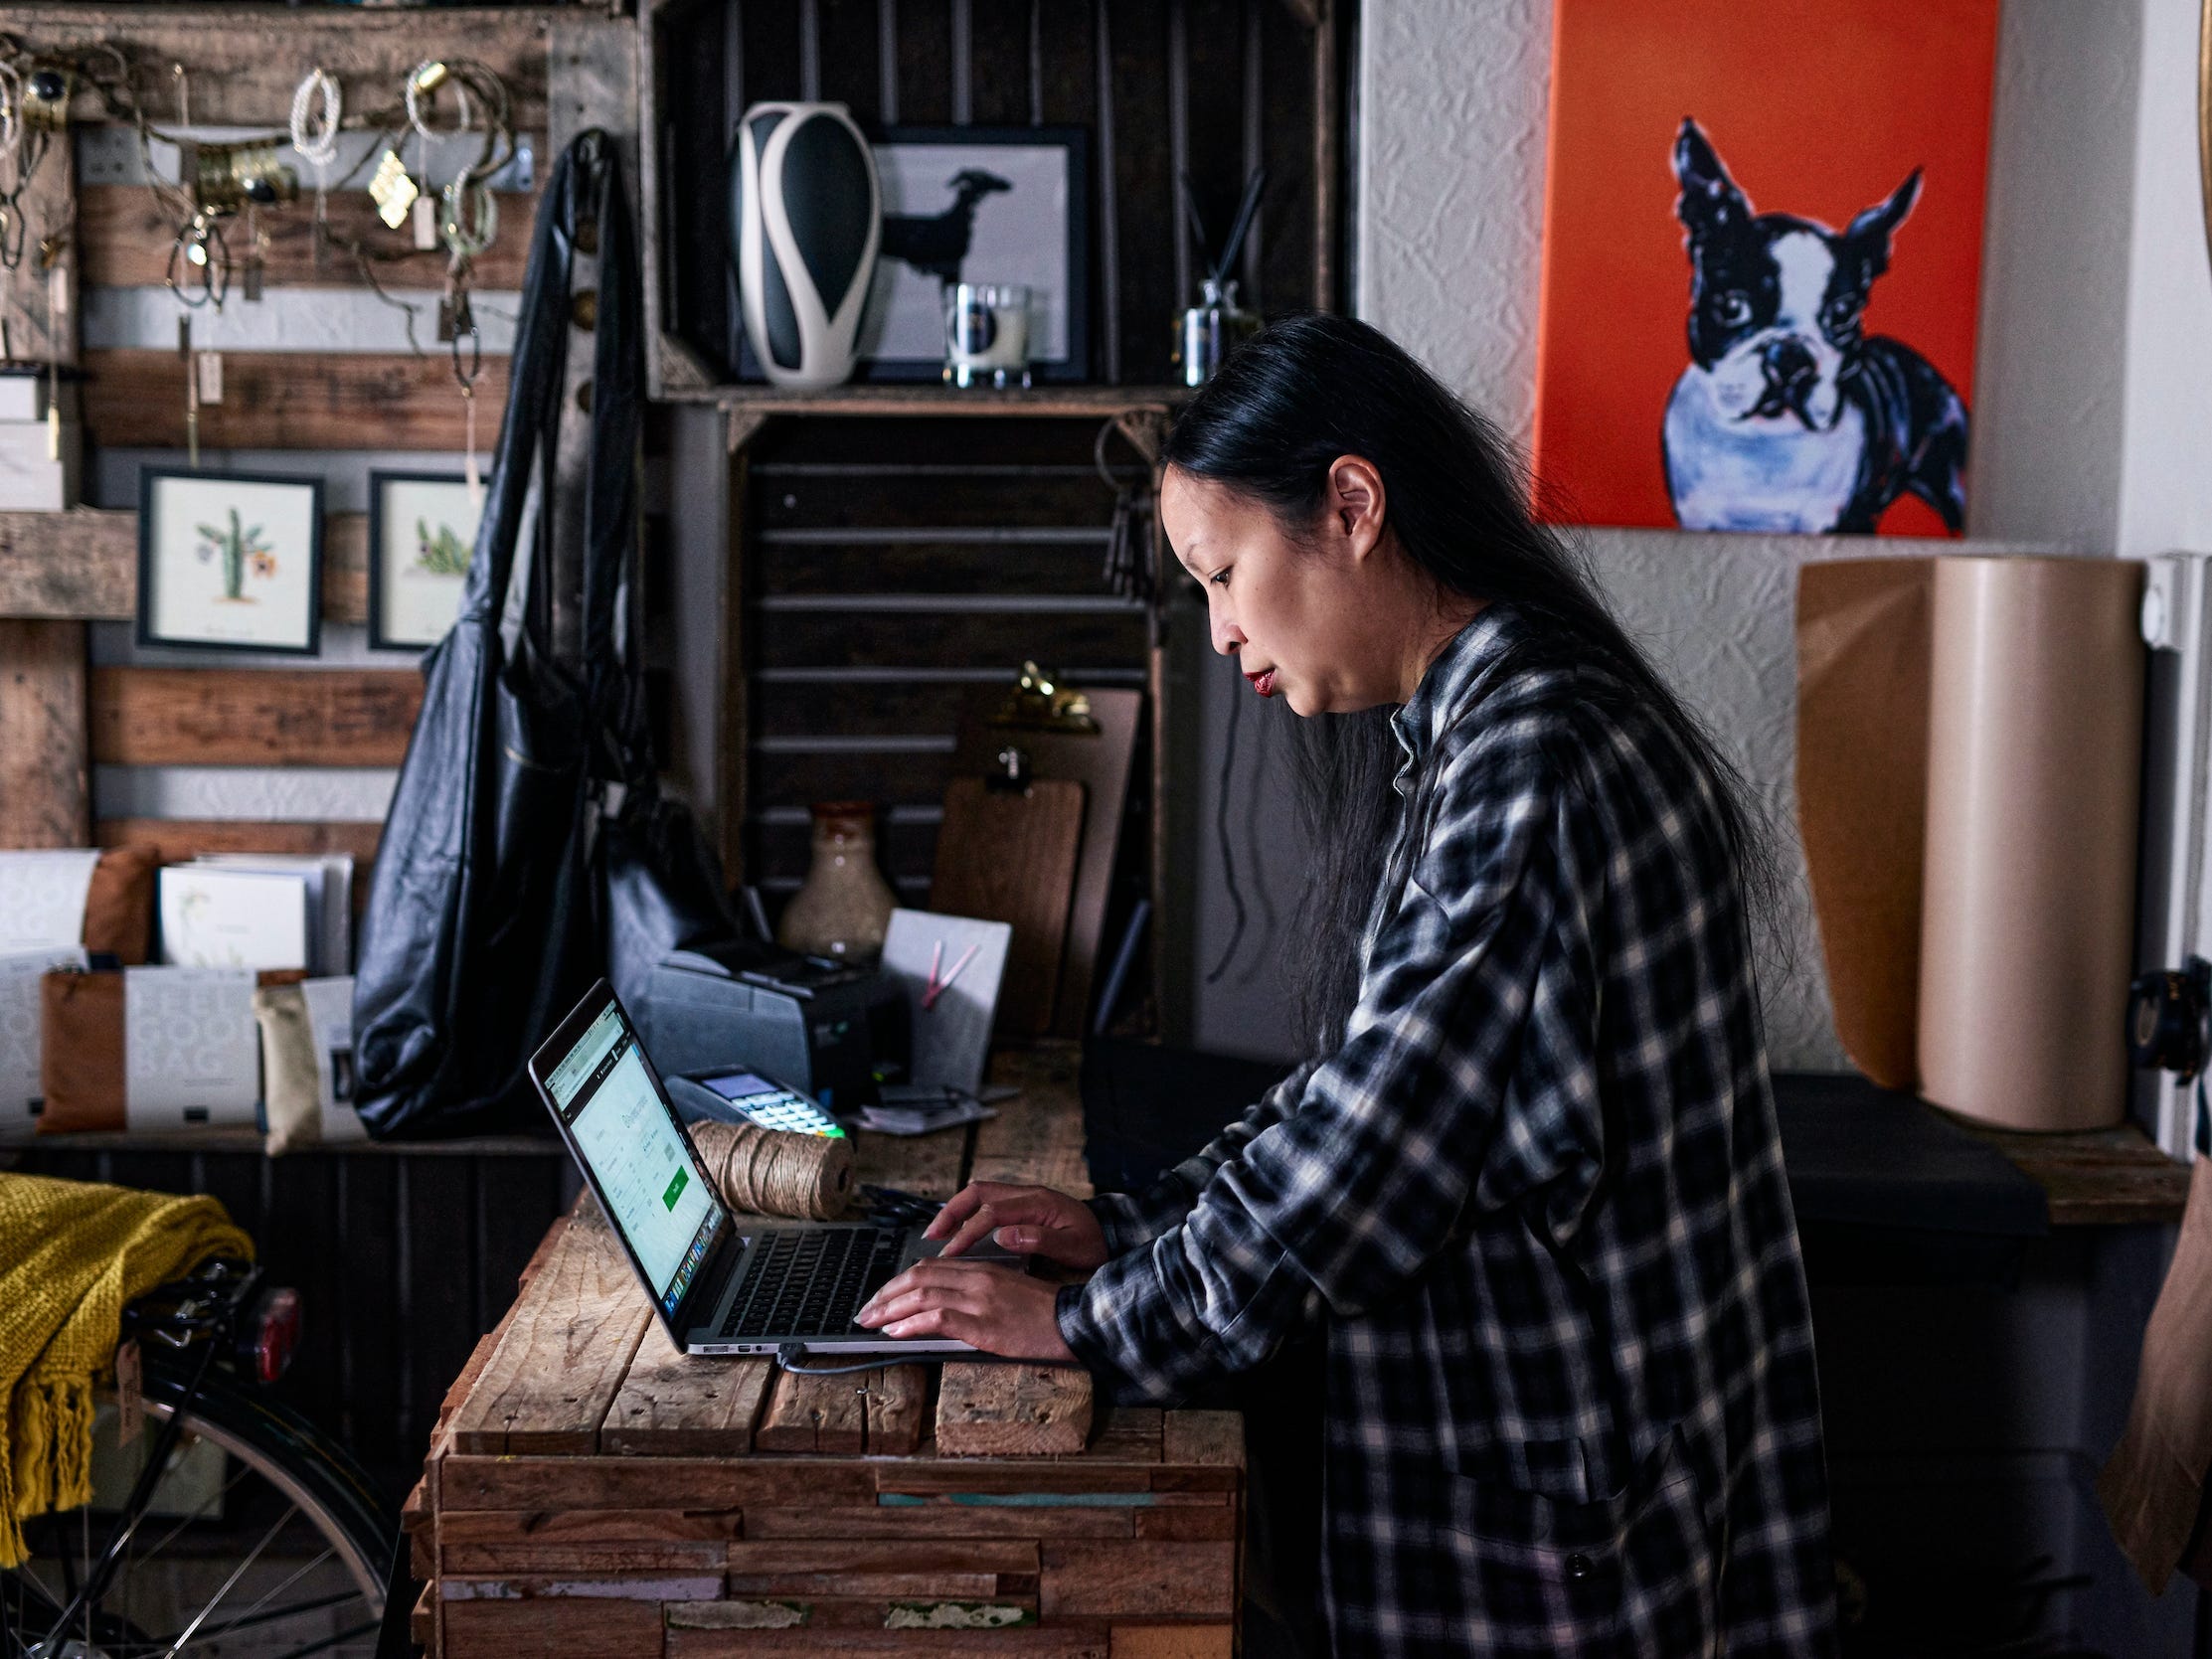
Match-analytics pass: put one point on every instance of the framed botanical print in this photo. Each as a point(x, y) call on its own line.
point(229, 560)
point(421, 533)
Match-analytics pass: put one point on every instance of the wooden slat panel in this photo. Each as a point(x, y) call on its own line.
point(35, 331)
point(1059, 1641)
point(673, 1405)
point(294, 401)
point(83, 565)
point(45, 796)
point(1012, 1410)
point(244, 60)
point(244, 835)
point(851, 47)
point(1144, 190)
point(948, 566)
point(243, 717)
point(998, 67)
point(125, 240)
point(558, 1370)
point(1120, 1581)
point(925, 61)
point(78, 564)
point(823, 500)
point(813, 1413)
point(1070, 643)
point(1286, 145)
point(860, 708)
point(898, 1399)
point(896, 780)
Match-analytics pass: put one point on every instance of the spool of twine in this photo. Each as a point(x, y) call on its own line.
point(772, 1173)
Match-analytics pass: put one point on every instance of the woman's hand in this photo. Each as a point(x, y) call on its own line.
point(994, 1308)
point(1035, 1220)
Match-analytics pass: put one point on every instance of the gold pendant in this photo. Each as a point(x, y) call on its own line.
point(392, 190)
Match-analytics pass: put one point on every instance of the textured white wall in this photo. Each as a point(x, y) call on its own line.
point(1450, 155)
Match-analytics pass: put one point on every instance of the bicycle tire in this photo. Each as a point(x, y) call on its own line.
point(291, 1453)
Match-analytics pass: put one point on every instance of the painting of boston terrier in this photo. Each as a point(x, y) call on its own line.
point(1790, 416)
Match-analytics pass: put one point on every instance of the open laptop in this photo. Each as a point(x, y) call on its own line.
point(721, 1286)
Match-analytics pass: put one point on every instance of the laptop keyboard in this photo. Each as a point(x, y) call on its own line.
point(811, 1281)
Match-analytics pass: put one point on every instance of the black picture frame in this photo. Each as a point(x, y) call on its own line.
point(380, 481)
point(1075, 368)
point(151, 524)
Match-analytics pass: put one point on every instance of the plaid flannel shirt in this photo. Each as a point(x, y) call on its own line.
point(1536, 1200)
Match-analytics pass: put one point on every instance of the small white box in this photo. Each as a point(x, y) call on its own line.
point(24, 396)
point(30, 480)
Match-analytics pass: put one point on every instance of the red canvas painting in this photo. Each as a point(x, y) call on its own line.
point(1763, 262)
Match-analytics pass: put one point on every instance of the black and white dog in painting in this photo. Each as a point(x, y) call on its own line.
point(1790, 416)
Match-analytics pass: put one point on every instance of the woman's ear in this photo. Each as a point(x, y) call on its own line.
point(1355, 503)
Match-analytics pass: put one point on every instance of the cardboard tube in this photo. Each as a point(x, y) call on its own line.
point(2034, 755)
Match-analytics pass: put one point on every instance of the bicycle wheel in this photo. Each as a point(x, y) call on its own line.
point(262, 1539)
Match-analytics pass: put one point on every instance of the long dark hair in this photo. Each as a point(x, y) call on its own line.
point(1313, 387)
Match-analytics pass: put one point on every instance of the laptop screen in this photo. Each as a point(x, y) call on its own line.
point(655, 1191)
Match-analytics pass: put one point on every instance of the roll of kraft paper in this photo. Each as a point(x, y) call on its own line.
point(767, 1172)
point(2034, 742)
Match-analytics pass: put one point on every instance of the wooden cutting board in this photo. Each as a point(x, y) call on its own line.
point(1007, 855)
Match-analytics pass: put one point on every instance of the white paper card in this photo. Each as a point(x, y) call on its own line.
point(952, 1034)
point(21, 1092)
point(192, 1051)
point(329, 878)
point(213, 917)
point(42, 898)
point(330, 1018)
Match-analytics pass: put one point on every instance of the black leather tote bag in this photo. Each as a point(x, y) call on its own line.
point(479, 931)
point(658, 885)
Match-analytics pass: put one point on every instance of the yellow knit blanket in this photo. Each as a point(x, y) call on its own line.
point(72, 1253)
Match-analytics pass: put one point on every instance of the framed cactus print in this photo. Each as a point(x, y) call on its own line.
point(229, 560)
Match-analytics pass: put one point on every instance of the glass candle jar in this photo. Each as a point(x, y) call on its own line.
point(843, 907)
point(986, 334)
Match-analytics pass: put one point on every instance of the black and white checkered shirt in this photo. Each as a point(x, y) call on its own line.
point(1536, 1200)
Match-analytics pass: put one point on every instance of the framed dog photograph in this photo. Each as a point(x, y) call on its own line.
point(229, 560)
point(1761, 264)
point(965, 204)
point(421, 533)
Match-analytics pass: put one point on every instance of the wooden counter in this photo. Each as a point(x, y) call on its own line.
point(591, 1491)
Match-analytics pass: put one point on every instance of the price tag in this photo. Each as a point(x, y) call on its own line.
point(426, 222)
point(211, 377)
point(131, 1386)
point(58, 291)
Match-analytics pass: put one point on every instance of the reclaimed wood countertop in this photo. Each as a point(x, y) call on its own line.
point(592, 1489)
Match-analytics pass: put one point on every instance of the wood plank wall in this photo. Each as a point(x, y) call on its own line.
point(1161, 85)
point(404, 1258)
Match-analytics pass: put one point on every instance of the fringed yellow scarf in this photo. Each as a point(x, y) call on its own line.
point(71, 1255)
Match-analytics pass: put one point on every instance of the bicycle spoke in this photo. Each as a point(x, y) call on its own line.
point(253, 1614)
point(236, 1573)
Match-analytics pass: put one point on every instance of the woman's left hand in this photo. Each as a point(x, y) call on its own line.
point(988, 1306)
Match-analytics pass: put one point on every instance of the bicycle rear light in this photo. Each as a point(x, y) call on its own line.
point(268, 1334)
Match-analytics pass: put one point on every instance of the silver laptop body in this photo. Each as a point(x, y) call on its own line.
point(719, 1285)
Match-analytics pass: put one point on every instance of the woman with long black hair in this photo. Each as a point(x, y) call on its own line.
point(1529, 1190)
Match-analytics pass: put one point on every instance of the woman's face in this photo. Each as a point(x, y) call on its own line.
point(1303, 621)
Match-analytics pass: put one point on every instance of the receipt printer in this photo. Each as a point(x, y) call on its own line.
point(822, 1026)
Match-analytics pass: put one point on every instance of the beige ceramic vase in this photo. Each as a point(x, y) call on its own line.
point(844, 906)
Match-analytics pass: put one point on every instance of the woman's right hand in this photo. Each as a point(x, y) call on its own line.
point(1036, 1219)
